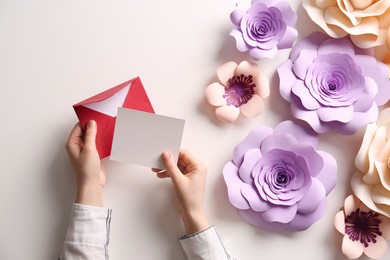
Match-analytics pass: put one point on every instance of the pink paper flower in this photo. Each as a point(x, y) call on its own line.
point(366, 21)
point(371, 183)
point(241, 89)
point(263, 28)
point(364, 230)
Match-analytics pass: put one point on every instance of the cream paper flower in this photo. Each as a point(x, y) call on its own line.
point(366, 21)
point(371, 183)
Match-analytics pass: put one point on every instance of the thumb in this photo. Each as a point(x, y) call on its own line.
point(171, 165)
point(90, 135)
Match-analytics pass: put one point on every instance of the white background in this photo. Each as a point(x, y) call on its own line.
point(56, 53)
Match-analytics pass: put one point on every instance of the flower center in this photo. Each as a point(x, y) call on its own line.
point(239, 90)
point(363, 226)
point(332, 86)
point(281, 178)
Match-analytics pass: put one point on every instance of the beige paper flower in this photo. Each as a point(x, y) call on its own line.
point(366, 21)
point(371, 183)
point(386, 59)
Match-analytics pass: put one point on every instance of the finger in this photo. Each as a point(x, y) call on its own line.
point(75, 141)
point(171, 165)
point(156, 170)
point(90, 135)
point(163, 174)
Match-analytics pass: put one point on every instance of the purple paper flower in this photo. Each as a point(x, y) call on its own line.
point(333, 84)
point(264, 28)
point(278, 180)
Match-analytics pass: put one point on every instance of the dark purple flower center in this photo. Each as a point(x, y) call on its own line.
point(363, 226)
point(282, 178)
point(239, 90)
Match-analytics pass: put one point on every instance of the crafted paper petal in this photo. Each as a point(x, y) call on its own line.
point(361, 160)
point(280, 214)
point(304, 95)
point(385, 228)
point(378, 249)
point(339, 222)
point(351, 249)
point(258, 54)
point(341, 114)
point(226, 71)
point(313, 197)
point(304, 221)
point(282, 142)
point(384, 119)
point(262, 86)
point(290, 17)
point(252, 140)
point(227, 114)
point(240, 43)
point(312, 159)
point(286, 79)
point(230, 175)
point(351, 203)
point(303, 62)
point(365, 101)
point(255, 218)
point(302, 134)
point(247, 68)
point(363, 192)
point(328, 174)
point(381, 196)
point(311, 43)
point(256, 203)
point(237, 15)
point(254, 107)
point(310, 117)
point(288, 38)
point(250, 161)
point(340, 46)
point(214, 94)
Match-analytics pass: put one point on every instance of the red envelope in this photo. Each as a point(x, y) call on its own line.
point(103, 108)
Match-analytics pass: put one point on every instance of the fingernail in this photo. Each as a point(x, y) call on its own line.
point(91, 123)
point(166, 155)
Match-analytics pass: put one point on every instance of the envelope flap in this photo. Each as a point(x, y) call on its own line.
point(105, 94)
point(137, 98)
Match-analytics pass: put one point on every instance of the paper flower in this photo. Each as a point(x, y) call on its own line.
point(366, 21)
point(278, 180)
point(371, 183)
point(364, 230)
point(241, 89)
point(264, 28)
point(386, 59)
point(331, 84)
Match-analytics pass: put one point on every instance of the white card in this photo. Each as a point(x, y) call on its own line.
point(141, 137)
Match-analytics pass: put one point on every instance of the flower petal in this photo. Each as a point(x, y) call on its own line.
point(262, 86)
point(282, 142)
point(255, 201)
point(341, 114)
point(234, 183)
point(302, 92)
point(336, 45)
point(214, 94)
point(247, 68)
point(351, 203)
point(328, 174)
point(313, 197)
point(385, 228)
point(310, 116)
point(286, 80)
point(351, 249)
point(302, 134)
point(310, 43)
point(288, 38)
point(227, 114)
point(240, 42)
point(384, 118)
point(376, 250)
point(226, 71)
point(251, 158)
point(254, 107)
point(280, 214)
point(339, 222)
point(289, 16)
point(237, 14)
point(311, 157)
point(362, 161)
point(252, 140)
point(303, 62)
point(257, 53)
point(255, 218)
point(304, 221)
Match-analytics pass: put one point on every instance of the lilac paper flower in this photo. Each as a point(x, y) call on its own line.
point(264, 28)
point(333, 84)
point(278, 180)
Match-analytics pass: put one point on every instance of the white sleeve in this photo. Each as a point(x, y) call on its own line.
point(205, 245)
point(88, 234)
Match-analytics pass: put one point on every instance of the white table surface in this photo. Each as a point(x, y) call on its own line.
point(56, 53)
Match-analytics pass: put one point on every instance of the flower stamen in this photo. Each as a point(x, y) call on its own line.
point(239, 90)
